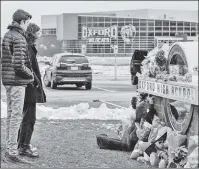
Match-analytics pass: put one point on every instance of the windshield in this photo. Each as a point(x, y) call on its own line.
point(76, 58)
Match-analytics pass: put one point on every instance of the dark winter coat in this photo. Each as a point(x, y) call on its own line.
point(34, 92)
point(137, 58)
point(150, 115)
point(141, 110)
point(16, 68)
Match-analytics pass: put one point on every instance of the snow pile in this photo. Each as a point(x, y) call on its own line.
point(79, 111)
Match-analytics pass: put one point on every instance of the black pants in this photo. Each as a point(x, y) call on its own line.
point(105, 142)
point(27, 124)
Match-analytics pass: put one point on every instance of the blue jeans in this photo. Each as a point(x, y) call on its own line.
point(15, 102)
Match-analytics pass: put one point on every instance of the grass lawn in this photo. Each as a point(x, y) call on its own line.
point(72, 144)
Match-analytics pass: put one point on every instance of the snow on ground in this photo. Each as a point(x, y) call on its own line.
point(79, 111)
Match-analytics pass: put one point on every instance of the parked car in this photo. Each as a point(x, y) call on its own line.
point(67, 68)
point(137, 58)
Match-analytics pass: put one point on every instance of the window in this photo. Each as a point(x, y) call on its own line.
point(158, 28)
point(172, 28)
point(165, 33)
point(107, 19)
point(49, 31)
point(165, 23)
point(180, 29)
point(142, 33)
point(89, 19)
point(187, 28)
point(120, 19)
point(193, 33)
point(95, 19)
point(95, 24)
point(179, 23)
point(101, 19)
point(114, 23)
point(193, 24)
point(114, 19)
point(172, 23)
point(81, 19)
point(165, 28)
point(135, 24)
point(158, 23)
point(151, 23)
point(143, 22)
point(143, 28)
point(193, 29)
point(151, 34)
point(90, 24)
point(76, 58)
point(136, 20)
point(101, 24)
point(158, 33)
point(121, 24)
point(107, 24)
point(128, 20)
point(151, 28)
point(187, 24)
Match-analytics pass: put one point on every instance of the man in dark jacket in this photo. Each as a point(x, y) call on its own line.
point(34, 94)
point(16, 75)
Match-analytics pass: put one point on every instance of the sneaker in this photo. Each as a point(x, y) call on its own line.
point(15, 159)
point(28, 152)
point(34, 149)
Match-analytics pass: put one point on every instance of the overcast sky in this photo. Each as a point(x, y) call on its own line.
point(38, 8)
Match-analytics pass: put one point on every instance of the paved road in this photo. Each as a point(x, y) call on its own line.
point(118, 91)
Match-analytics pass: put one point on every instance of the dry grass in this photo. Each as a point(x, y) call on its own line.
point(72, 144)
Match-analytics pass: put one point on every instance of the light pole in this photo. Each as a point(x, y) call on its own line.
point(115, 52)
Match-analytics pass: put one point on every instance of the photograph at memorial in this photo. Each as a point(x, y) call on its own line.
point(131, 30)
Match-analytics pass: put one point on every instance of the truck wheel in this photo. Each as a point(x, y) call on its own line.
point(88, 86)
point(53, 84)
point(45, 80)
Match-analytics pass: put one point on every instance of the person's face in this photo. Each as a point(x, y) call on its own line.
point(38, 34)
point(24, 24)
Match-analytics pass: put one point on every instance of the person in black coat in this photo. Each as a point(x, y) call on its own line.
point(129, 138)
point(34, 94)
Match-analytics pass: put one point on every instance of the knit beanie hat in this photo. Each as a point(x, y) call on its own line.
point(32, 28)
point(143, 95)
point(20, 15)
